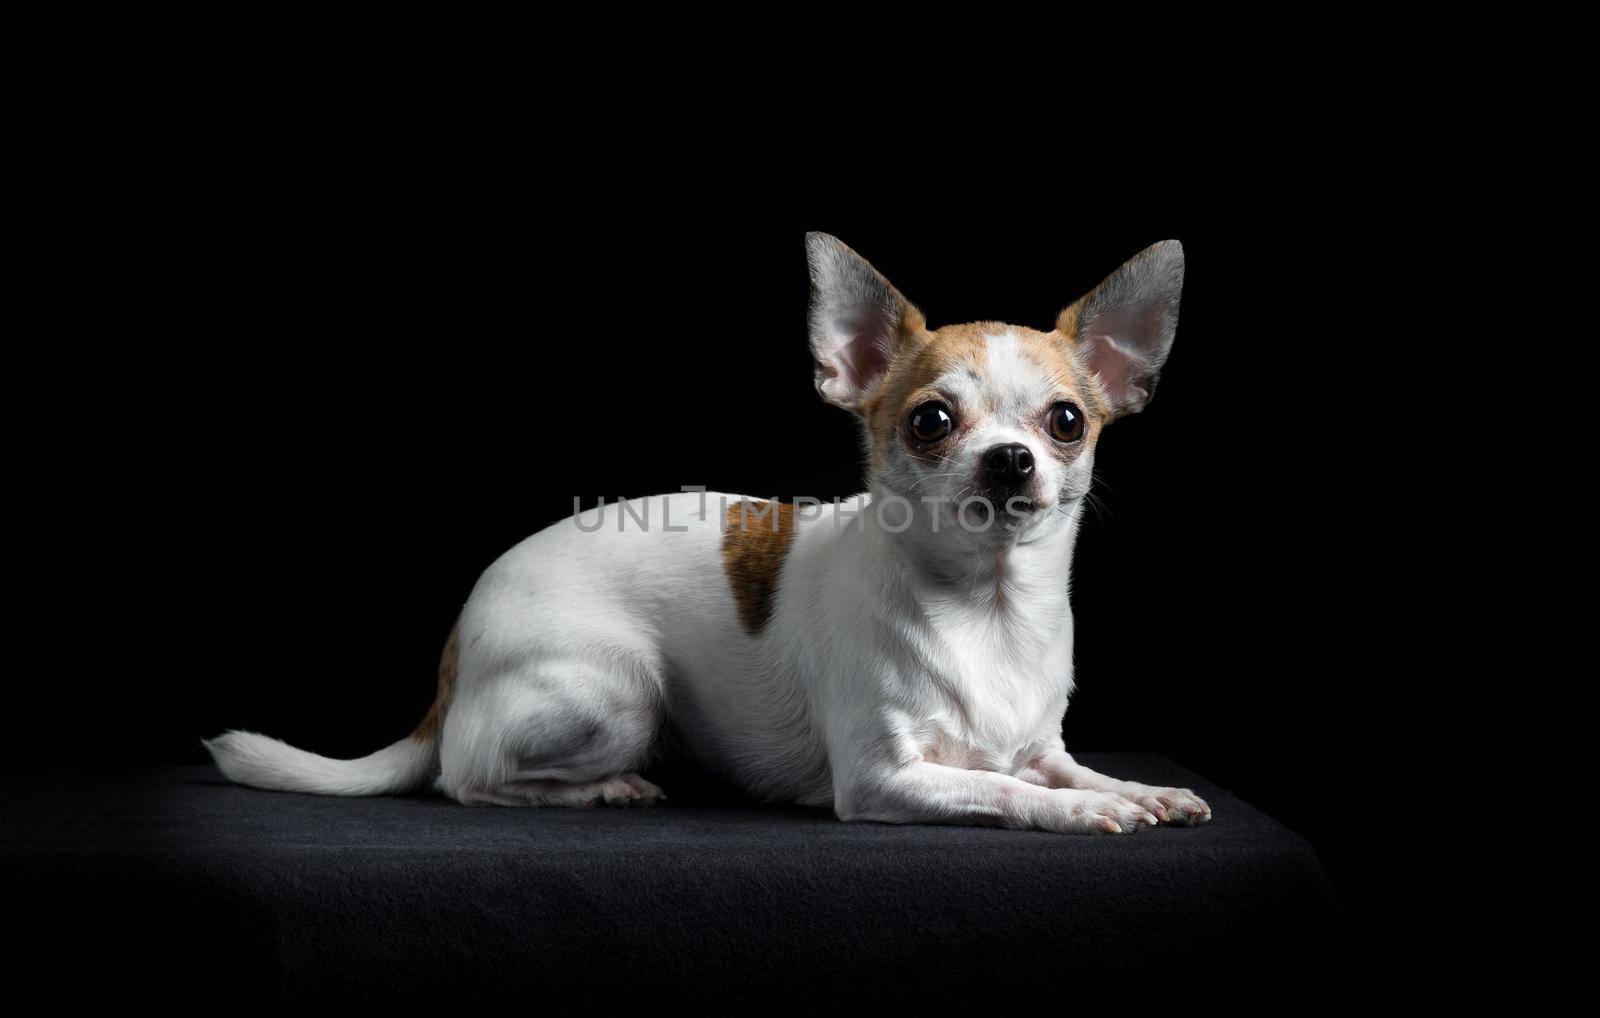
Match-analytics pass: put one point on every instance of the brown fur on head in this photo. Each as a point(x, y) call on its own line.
point(995, 386)
point(913, 376)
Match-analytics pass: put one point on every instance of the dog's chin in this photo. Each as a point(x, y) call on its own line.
point(1026, 517)
point(1017, 513)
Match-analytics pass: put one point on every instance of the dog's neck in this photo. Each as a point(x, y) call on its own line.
point(1025, 572)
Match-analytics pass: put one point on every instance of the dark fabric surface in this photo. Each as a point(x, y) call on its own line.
point(176, 882)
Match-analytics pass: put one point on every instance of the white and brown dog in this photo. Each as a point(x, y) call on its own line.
point(905, 656)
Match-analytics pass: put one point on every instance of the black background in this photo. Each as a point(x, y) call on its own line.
point(347, 361)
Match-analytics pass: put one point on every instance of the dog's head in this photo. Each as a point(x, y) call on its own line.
point(992, 425)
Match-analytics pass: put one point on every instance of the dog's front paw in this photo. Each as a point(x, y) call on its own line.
point(1106, 813)
point(1178, 806)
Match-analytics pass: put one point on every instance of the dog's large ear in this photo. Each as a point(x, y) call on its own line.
point(1123, 328)
point(857, 321)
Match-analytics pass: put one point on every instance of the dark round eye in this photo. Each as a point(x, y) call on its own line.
point(1066, 422)
point(931, 422)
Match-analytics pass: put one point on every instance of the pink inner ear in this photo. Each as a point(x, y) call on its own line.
point(1118, 369)
point(863, 355)
point(866, 360)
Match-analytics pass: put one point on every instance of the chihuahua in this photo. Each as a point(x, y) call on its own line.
point(903, 657)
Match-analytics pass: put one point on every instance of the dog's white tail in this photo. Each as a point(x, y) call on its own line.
point(264, 762)
point(406, 766)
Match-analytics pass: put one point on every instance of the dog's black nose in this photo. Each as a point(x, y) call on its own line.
point(1008, 465)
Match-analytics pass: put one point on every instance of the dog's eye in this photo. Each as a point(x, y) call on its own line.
point(931, 422)
point(1066, 422)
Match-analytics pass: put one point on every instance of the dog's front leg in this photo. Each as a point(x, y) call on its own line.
point(1057, 769)
point(930, 793)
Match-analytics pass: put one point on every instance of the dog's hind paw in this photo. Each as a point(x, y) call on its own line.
point(631, 790)
point(620, 790)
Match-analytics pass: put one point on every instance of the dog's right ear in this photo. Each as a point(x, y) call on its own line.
point(858, 321)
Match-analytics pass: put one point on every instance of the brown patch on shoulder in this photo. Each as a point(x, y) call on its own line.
point(449, 668)
point(755, 540)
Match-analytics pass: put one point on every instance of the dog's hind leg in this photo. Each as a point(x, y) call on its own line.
point(622, 790)
point(553, 732)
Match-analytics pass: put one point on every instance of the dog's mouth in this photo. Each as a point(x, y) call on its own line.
point(1004, 513)
point(999, 509)
point(1014, 514)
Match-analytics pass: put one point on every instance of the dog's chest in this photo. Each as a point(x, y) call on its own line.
point(990, 685)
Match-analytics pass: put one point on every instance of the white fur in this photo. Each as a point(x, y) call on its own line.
point(914, 674)
point(252, 759)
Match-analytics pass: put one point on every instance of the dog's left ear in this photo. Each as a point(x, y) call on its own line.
point(1123, 328)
